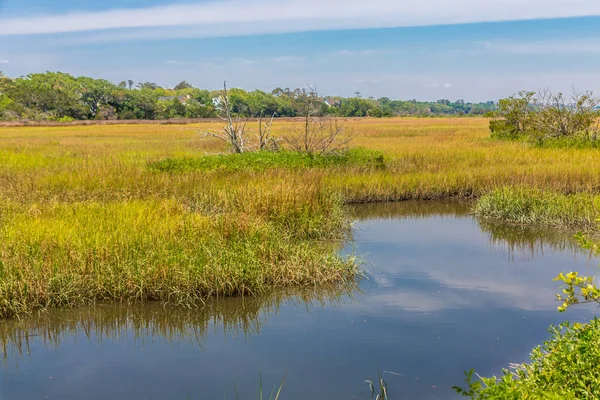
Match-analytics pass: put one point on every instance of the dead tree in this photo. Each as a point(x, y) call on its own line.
point(319, 133)
point(266, 140)
point(234, 131)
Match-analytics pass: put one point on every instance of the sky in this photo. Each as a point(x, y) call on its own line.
point(476, 50)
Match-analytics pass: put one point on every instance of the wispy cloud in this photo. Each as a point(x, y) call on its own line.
point(175, 62)
point(365, 52)
point(4, 61)
point(245, 61)
point(576, 46)
point(236, 17)
point(438, 85)
point(368, 81)
point(288, 59)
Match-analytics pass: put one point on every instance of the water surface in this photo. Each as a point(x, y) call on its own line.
point(444, 293)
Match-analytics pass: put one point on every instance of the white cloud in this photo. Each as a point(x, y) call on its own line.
point(288, 59)
point(236, 17)
point(175, 62)
point(4, 61)
point(580, 46)
point(437, 85)
point(366, 52)
point(368, 81)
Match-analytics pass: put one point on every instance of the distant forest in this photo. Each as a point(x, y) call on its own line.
point(56, 96)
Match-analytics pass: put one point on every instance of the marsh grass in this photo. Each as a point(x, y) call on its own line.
point(264, 160)
point(527, 206)
point(84, 218)
point(61, 255)
point(565, 143)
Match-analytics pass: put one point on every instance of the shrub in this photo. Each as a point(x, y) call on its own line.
point(567, 366)
point(514, 116)
point(65, 119)
point(544, 116)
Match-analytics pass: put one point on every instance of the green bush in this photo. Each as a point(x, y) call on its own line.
point(565, 367)
point(513, 119)
point(501, 129)
point(546, 117)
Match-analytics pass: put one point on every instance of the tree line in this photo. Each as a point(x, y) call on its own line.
point(57, 96)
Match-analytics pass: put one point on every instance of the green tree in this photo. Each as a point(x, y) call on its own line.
point(176, 109)
point(50, 95)
point(195, 109)
point(148, 85)
point(183, 85)
point(139, 104)
point(96, 93)
point(261, 103)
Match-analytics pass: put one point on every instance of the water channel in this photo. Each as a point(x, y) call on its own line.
point(444, 292)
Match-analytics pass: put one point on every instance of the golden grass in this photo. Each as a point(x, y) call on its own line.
point(83, 218)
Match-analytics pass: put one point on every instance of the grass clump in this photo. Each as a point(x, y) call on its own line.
point(565, 367)
point(70, 254)
point(265, 160)
point(531, 206)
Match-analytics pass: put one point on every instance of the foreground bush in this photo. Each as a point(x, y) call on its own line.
point(565, 367)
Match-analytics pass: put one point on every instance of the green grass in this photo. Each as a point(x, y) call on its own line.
point(63, 255)
point(565, 367)
point(535, 207)
point(571, 142)
point(261, 161)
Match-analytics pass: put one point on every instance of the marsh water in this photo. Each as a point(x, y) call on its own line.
point(444, 292)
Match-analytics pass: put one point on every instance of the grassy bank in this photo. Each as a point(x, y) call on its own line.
point(138, 212)
point(181, 251)
point(531, 206)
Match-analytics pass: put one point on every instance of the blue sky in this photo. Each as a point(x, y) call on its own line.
point(426, 49)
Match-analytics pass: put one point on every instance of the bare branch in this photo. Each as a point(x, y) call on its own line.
point(319, 133)
point(234, 131)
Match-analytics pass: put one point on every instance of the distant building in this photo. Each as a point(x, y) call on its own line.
point(332, 102)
